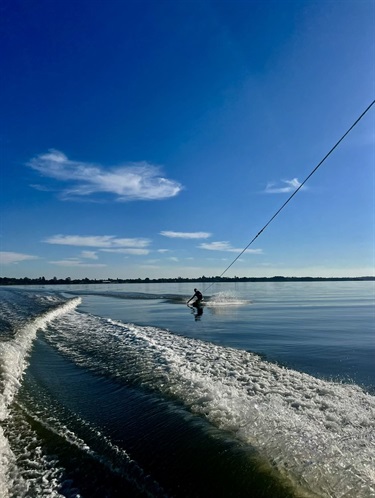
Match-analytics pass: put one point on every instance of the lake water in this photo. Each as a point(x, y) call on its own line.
point(123, 390)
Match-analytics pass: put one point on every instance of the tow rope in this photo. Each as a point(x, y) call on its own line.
point(295, 192)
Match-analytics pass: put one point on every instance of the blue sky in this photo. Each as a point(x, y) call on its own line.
point(156, 138)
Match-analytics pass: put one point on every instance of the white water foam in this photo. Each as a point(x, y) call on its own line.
point(7, 461)
point(319, 434)
point(13, 354)
point(13, 362)
point(225, 298)
point(34, 473)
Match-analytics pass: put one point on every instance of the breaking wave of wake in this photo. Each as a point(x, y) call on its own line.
point(319, 434)
point(13, 361)
point(225, 299)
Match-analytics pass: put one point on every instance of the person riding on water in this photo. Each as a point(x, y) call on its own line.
point(198, 298)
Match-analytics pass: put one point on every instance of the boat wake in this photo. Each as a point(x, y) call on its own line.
point(319, 434)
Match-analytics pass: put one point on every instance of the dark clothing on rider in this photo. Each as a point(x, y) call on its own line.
point(198, 297)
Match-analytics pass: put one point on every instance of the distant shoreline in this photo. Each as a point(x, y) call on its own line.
point(203, 279)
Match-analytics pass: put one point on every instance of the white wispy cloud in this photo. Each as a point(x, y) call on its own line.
point(98, 241)
point(185, 235)
point(7, 258)
point(287, 186)
point(129, 182)
point(74, 262)
point(129, 250)
point(89, 255)
point(226, 246)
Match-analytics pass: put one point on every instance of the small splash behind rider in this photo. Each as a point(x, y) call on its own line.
point(198, 298)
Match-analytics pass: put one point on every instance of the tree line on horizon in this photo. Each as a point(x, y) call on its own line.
point(70, 281)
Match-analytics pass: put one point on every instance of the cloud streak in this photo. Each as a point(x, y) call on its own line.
point(76, 263)
point(89, 255)
point(130, 182)
point(286, 187)
point(98, 241)
point(185, 235)
point(8, 258)
point(129, 250)
point(226, 247)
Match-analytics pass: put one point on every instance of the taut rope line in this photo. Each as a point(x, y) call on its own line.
point(294, 193)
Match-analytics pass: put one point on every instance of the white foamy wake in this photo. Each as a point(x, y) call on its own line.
point(320, 434)
point(225, 299)
point(13, 362)
point(13, 354)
